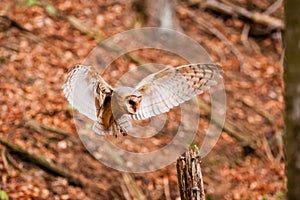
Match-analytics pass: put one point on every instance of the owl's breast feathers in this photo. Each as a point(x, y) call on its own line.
point(103, 107)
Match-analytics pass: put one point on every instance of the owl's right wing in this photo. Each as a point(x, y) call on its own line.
point(86, 90)
point(170, 87)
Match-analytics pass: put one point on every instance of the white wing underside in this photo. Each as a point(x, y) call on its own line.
point(81, 91)
point(170, 87)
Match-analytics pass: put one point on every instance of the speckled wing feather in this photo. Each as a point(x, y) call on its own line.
point(170, 87)
point(85, 90)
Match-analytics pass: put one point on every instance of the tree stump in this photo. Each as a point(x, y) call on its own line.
point(189, 174)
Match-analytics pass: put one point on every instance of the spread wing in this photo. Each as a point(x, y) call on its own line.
point(86, 90)
point(170, 87)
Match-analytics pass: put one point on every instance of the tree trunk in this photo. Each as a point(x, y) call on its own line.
point(189, 174)
point(292, 98)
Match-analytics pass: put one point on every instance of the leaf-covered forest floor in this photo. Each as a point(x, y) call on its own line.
point(38, 44)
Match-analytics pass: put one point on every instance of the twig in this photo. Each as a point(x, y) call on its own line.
point(42, 127)
point(13, 162)
point(125, 192)
point(134, 190)
point(4, 159)
point(83, 28)
point(273, 7)
point(279, 135)
point(234, 10)
point(268, 150)
point(245, 34)
point(166, 188)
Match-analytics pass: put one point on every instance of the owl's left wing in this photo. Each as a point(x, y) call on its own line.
point(86, 90)
point(170, 87)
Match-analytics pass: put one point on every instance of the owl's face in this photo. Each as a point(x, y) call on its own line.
point(127, 99)
point(132, 103)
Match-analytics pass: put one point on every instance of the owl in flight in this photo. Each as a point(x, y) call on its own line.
point(112, 109)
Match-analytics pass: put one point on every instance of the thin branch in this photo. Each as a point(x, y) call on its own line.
point(83, 28)
point(13, 162)
point(134, 190)
point(125, 192)
point(4, 159)
point(280, 155)
point(166, 188)
point(273, 7)
point(268, 150)
point(42, 127)
point(245, 34)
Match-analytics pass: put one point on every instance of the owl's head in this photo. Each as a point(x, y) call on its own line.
point(132, 103)
point(127, 99)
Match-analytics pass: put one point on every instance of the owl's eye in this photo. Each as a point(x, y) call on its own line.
point(131, 102)
point(132, 106)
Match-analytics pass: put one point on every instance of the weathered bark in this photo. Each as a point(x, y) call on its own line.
point(189, 174)
point(292, 98)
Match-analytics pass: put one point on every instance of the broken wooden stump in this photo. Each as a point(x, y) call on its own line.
point(190, 181)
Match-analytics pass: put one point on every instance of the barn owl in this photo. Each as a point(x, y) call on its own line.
point(112, 109)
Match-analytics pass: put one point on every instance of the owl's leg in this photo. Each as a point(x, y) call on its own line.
point(123, 131)
point(115, 129)
point(124, 123)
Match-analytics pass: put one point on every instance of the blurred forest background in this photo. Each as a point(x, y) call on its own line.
point(41, 154)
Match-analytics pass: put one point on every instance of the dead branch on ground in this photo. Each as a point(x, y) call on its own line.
point(42, 128)
point(49, 165)
point(233, 10)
